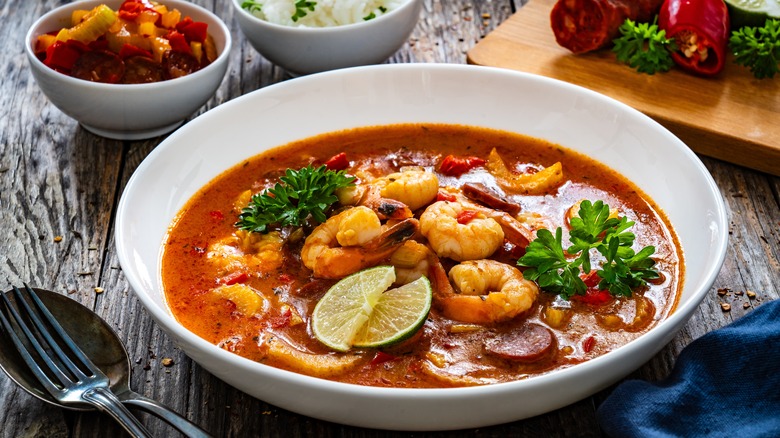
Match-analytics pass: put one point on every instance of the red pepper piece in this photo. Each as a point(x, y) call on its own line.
point(442, 196)
point(701, 30)
point(131, 9)
point(233, 278)
point(217, 216)
point(594, 296)
point(62, 56)
point(588, 344)
point(337, 162)
point(457, 166)
point(466, 216)
point(283, 320)
point(178, 42)
point(193, 30)
point(129, 50)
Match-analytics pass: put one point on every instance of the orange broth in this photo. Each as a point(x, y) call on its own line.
point(444, 353)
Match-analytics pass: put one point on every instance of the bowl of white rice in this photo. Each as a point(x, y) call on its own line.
point(306, 37)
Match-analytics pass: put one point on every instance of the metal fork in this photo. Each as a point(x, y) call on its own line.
point(63, 369)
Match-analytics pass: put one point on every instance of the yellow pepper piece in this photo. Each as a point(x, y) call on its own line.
point(170, 18)
point(44, 42)
point(93, 25)
point(211, 49)
point(529, 183)
point(197, 50)
point(147, 29)
point(77, 16)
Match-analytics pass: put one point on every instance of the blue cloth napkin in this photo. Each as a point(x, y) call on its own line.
point(724, 384)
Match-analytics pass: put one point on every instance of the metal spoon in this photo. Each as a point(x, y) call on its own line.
point(102, 345)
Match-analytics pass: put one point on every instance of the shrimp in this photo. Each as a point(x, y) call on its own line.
point(413, 186)
point(370, 196)
point(243, 250)
point(411, 260)
point(489, 292)
point(460, 240)
point(324, 253)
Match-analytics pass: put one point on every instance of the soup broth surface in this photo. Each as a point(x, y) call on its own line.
point(208, 263)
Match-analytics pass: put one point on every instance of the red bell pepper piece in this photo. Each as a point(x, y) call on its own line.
point(456, 166)
point(466, 216)
point(129, 50)
point(61, 56)
point(131, 9)
point(193, 30)
point(701, 30)
point(337, 162)
point(178, 42)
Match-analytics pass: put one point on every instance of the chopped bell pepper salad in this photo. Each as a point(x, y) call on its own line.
point(142, 42)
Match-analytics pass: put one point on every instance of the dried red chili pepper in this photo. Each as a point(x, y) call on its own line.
point(700, 29)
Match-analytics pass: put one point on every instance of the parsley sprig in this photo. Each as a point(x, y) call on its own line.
point(300, 193)
point(300, 9)
point(644, 47)
point(758, 48)
point(621, 271)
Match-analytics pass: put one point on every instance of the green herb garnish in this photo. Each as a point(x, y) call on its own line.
point(300, 9)
point(644, 47)
point(251, 6)
point(370, 16)
point(621, 271)
point(299, 194)
point(758, 48)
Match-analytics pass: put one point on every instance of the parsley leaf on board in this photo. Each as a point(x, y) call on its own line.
point(644, 47)
point(593, 229)
point(300, 193)
point(758, 48)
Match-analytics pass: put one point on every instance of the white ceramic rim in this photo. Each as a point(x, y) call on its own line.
point(657, 337)
point(34, 31)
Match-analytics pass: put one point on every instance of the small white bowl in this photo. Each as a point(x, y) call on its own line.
point(572, 116)
point(129, 111)
point(305, 50)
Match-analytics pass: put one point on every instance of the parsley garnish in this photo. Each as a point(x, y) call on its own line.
point(370, 16)
point(643, 47)
point(758, 48)
point(300, 9)
point(622, 268)
point(251, 6)
point(300, 194)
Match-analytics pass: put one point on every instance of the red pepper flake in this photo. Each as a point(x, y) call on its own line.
point(588, 344)
point(382, 357)
point(337, 162)
point(443, 196)
point(233, 278)
point(457, 166)
point(466, 216)
point(217, 215)
point(286, 278)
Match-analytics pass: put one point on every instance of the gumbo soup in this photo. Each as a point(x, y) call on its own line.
point(519, 257)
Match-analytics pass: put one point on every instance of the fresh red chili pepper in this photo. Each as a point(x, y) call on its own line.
point(466, 216)
point(456, 166)
point(337, 162)
point(594, 296)
point(700, 29)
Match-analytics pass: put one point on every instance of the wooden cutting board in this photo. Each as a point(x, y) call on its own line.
point(733, 117)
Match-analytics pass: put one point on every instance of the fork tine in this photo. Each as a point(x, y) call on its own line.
point(72, 347)
point(31, 362)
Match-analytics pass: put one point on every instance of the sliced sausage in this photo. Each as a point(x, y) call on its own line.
point(484, 195)
point(99, 66)
point(528, 343)
point(142, 70)
point(178, 64)
point(586, 25)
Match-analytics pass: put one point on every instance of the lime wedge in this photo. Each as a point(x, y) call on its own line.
point(360, 311)
point(752, 12)
point(398, 315)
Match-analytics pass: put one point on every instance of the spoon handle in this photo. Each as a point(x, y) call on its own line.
point(170, 416)
point(106, 401)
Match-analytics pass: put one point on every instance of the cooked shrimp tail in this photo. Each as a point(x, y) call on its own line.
point(385, 208)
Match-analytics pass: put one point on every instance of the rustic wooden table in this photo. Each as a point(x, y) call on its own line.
point(59, 187)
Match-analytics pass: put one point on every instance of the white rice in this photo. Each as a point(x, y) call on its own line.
point(327, 13)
